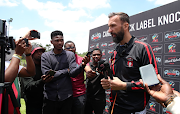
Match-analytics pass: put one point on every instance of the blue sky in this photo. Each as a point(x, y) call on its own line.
point(73, 17)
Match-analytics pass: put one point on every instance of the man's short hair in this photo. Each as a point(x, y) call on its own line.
point(55, 33)
point(123, 16)
point(98, 50)
point(68, 42)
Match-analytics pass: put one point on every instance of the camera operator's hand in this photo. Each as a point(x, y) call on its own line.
point(115, 84)
point(20, 46)
point(28, 49)
point(28, 36)
point(47, 78)
point(90, 74)
point(161, 93)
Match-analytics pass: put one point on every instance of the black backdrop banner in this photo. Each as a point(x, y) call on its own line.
point(160, 27)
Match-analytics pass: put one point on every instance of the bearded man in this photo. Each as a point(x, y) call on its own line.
point(130, 54)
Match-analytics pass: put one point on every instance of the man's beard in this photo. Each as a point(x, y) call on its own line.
point(119, 36)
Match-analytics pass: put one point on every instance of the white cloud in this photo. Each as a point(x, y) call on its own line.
point(71, 22)
point(78, 32)
point(19, 32)
point(161, 2)
point(89, 4)
point(34, 4)
point(9, 3)
point(62, 16)
point(54, 11)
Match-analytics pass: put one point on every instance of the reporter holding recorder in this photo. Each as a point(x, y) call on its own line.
point(95, 94)
point(164, 95)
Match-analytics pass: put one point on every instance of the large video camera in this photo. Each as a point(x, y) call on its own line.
point(6, 44)
point(6, 41)
point(103, 66)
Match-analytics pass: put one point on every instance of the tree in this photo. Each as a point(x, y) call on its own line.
point(82, 54)
point(47, 47)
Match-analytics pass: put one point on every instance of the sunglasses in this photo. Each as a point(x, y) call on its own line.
point(70, 47)
point(96, 55)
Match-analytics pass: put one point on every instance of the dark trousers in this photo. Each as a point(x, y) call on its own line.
point(97, 106)
point(78, 105)
point(33, 110)
point(57, 107)
point(117, 110)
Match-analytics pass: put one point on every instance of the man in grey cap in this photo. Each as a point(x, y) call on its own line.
point(33, 86)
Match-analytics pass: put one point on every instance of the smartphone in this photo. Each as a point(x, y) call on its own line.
point(26, 41)
point(34, 34)
point(148, 75)
point(51, 72)
point(88, 53)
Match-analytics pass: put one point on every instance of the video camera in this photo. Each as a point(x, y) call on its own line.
point(103, 66)
point(5, 40)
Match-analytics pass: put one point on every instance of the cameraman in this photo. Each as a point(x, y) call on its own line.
point(13, 69)
point(95, 94)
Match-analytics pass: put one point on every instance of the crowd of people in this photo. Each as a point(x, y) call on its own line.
point(66, 91)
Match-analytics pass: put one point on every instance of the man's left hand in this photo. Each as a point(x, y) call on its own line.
point(117, 84)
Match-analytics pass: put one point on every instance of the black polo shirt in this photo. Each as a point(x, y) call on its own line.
point(126, 61)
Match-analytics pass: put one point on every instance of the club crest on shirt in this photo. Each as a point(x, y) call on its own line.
point(130, 62)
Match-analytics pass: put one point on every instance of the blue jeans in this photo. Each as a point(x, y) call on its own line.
point(78, 105)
